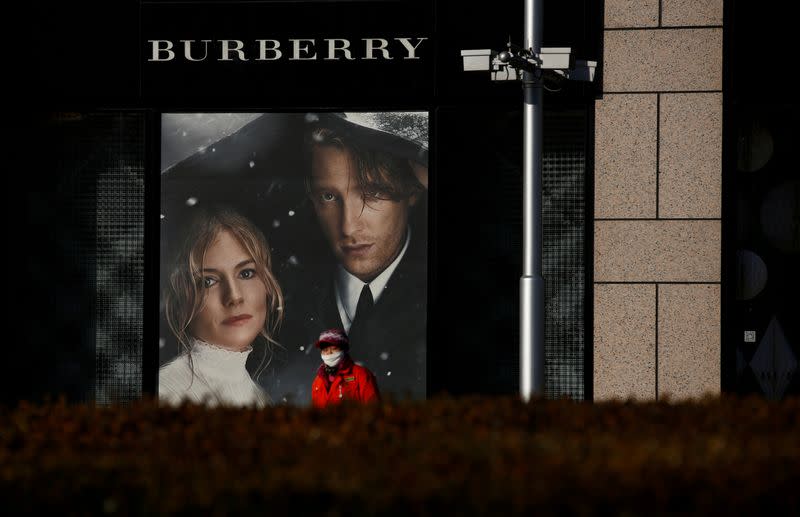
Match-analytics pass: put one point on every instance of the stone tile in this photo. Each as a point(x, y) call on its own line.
point(625, 156)
point(688, 340)
point(631, 13)
point(657, 251)
point(662, 60)
point(690, 161)
point(624, 341)
point(691, 12)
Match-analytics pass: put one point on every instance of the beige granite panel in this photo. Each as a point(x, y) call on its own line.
point(657, 251)
point(631, 13)
point(624, 341)
point(625, 156)
point(688, 340)
point(662, 60)
point(690, 162)
point(691, 12)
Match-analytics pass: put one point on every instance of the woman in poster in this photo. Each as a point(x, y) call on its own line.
point(221, 297)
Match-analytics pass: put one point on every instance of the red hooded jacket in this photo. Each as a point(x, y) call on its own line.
point(350, 382)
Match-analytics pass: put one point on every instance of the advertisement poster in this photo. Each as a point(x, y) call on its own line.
point(279, 227)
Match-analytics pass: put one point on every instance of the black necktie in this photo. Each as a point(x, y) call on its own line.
point(363, 310)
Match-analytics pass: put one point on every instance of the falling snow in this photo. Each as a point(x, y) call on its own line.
point(276, 223)
point(191, 201)
point(293, 260)
point(252, 164)
point(384, 356)
point(161, 342)
point(291, 213)
point(302, 348)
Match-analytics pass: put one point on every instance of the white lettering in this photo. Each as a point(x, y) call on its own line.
point(302, 49)
point(227, 49)
point(296, 49)
point(332, 48)
point(187, 49)
point(157, 50)
point(371, 47)
point(263, 49)
point(411, 50)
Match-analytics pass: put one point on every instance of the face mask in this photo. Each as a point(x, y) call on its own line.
point(332, 359)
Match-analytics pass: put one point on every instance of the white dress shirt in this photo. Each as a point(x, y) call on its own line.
point(348, 287)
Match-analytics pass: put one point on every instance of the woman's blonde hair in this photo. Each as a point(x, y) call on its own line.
point(184, 295)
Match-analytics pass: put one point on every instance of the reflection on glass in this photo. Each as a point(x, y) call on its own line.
point(754, 147)
point(780, 218)
point(751, 275)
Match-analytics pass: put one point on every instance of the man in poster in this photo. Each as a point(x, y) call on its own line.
point(367, 182)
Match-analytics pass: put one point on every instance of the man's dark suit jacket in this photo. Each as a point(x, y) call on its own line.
point(392, 345)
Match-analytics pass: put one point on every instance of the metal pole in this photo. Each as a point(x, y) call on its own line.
point(532, 282)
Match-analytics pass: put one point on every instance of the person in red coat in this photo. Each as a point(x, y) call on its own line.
point(338, 377)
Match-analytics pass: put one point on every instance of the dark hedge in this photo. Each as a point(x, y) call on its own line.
point(446, 456)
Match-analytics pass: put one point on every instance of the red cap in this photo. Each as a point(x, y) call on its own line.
point(333, 337)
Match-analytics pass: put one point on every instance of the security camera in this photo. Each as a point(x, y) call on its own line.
point(477, 60)
point(581, 71)
point(509, 64)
